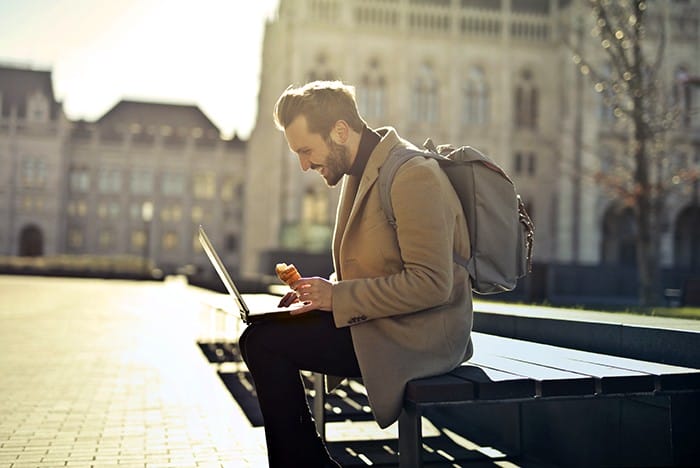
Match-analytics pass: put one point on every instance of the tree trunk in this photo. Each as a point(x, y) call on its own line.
point(647, 209)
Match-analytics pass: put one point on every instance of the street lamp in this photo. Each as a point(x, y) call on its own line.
point(146, 216)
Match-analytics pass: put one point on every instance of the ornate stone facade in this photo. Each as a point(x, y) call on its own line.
point(493, 74)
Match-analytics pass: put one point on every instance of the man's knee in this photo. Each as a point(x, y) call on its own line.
point(252, 341)
point(244, 342)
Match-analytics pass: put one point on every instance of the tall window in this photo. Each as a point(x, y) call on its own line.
point(79, 179)
point(142, 182)
point(76, 239)
point(686, 94)
point(475, 98)
point(316, 230)
point(606, 105)
point(686, 239)
point(524, 163)
point(173, 183)
point(204, 185)
point(230, 189)
point(33, 172)
point(170, 241)
point(424, 107)
point(371, 94)
point(619, 234)
point(526, 101)
point(37, 108)
point(106, 239)
point(109, 180)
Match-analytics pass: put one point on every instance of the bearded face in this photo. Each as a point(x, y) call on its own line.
point(337, 163)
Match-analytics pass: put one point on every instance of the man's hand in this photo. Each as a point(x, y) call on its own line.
point(316, 293)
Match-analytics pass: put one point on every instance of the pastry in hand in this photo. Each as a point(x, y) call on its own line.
point(287, 273)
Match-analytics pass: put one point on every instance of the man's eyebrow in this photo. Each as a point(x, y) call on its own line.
point(299, 150)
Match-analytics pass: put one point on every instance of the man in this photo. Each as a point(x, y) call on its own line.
point(397, 306)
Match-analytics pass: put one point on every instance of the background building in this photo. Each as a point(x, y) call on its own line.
point(496, 75)
point(137, 182)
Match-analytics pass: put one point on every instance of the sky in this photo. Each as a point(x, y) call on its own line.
point(204, 52)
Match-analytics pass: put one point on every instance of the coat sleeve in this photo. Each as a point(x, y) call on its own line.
point(425, 213)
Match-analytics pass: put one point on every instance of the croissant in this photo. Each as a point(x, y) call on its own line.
point(287, 273)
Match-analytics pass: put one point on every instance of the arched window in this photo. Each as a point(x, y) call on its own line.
point(619, 237)
point(31, 242)
point(686, 239)
point(606, 101)
point(475, 110)
point(526, 101)
point(371, 94)
point(321, 70)
point(425, 96)
point(686, 94)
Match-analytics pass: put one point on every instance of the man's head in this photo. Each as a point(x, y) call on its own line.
point(322, 125)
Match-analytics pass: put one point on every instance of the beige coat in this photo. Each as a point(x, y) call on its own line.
point(409, 305)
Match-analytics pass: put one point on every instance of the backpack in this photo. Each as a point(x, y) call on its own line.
point(501, 232)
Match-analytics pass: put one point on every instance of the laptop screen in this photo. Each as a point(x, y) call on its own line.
point(223, 273)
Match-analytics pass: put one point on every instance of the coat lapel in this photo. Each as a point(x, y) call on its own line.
point(356, 189)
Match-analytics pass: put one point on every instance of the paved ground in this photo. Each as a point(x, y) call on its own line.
point(108, 373)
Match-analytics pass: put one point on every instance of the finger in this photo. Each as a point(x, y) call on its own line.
point(283, 301)
point(288, 299)
point(302, 310)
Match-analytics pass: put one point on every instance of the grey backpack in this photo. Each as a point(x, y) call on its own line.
point(501, 232)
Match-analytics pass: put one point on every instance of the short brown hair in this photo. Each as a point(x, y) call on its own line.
point(323, 103)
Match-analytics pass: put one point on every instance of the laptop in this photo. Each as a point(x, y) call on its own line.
point(262, 305)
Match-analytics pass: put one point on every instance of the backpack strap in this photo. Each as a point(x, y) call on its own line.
point(388, 170)
point(386, 177)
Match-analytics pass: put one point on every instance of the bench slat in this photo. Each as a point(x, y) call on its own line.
point(616, 374)
point(492, 384)
point(550, 382)
point(610, 380)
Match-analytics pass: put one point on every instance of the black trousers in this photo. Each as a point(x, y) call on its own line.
point(275, 350)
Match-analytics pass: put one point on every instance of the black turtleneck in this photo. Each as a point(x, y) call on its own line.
point(369, 139)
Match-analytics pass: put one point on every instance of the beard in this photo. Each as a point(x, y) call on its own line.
point(337, 163)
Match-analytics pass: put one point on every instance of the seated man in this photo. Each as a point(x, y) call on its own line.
point(397, 307)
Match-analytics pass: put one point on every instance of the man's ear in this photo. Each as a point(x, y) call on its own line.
point(340, 132)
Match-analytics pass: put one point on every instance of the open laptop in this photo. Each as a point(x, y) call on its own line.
point(263, 306)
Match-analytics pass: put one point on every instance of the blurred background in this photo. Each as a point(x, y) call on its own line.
point(126, 125)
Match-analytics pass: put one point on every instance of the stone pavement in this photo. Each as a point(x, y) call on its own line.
point(108, 373)
point(97, 373)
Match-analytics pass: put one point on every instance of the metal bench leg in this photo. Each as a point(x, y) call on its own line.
point(319, 405)
point(410, 437)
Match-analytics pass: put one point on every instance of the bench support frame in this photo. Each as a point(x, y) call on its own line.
point(410, 436)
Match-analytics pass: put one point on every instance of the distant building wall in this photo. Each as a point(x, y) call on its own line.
point(84, 185)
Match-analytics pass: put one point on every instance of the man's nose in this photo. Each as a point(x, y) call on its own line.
point(304, 163)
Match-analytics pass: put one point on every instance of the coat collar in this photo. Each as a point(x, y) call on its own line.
point(389, 140)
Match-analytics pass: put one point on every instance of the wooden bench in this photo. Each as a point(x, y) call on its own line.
point(505, 370)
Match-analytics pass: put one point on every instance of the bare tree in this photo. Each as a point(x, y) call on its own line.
point(631, 83)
